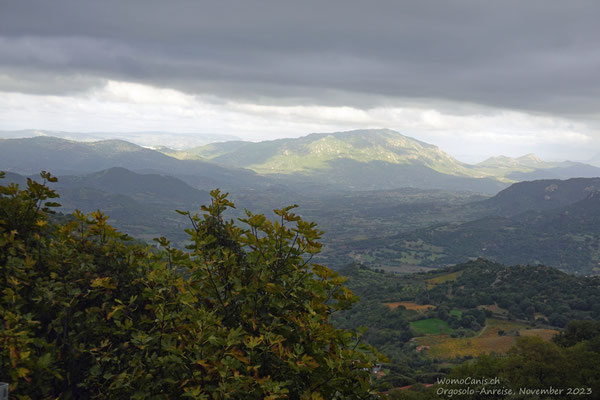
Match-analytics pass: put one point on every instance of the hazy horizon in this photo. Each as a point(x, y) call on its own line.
point(187, 140)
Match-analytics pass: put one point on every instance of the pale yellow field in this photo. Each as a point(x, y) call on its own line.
point(410, 306)
point(545, 334)
point(494, 308)
point(443, 278)
point(488, 341)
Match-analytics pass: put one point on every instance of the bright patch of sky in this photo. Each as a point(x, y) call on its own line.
point(472, 136)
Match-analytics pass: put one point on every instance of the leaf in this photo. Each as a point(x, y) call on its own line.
point(114, 310)
point(22, 372)
point(95, 370)
point(203, 363)
point(45, 360)
point(240, 356)
point(104, 283)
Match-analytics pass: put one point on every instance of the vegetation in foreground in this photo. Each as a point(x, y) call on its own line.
point(242, 313)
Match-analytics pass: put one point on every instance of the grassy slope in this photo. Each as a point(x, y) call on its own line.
point(317, 151)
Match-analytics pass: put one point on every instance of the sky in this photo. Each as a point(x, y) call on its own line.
point(475, 78)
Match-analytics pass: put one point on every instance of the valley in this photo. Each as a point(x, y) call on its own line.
point(382, 198)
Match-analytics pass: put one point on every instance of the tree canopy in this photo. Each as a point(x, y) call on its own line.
point(242, 312)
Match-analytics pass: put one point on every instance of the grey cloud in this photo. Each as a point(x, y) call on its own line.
point(535, 55)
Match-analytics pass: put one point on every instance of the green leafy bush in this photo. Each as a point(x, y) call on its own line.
point(241, 313)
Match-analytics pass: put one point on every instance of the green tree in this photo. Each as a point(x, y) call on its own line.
point(577, 331)
point(241, 313)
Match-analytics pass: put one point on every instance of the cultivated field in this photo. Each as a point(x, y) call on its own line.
point(443, 278)
point(430, 326)
point(497, 337)
point(409, 305)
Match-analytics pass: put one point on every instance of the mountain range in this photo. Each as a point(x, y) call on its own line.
point(146, 139)
point(531, 167)
point(378, 159)
point(66, 157)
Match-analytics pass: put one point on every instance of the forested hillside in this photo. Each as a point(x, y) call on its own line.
point(428, 322)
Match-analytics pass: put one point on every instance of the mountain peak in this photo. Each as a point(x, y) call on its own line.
point(373, 134)
point(530, 157)
point(528, 160)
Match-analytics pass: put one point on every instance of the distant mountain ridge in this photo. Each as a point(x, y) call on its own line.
point(565, 171)
point(415, 164)
point(530, 167)
point(371, 159)
point(345, 157)
point(145, 138)
point(66, 157)
point(528, 160)
point(540, 195)
point(317, 150)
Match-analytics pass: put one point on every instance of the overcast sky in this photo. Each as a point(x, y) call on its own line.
point(477, 78)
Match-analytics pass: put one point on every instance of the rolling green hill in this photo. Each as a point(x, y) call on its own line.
point(523, 292)
point(318, 150)
point(360, 160)
point(142, 138)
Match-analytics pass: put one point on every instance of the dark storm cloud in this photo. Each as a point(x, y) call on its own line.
point(535, 55)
